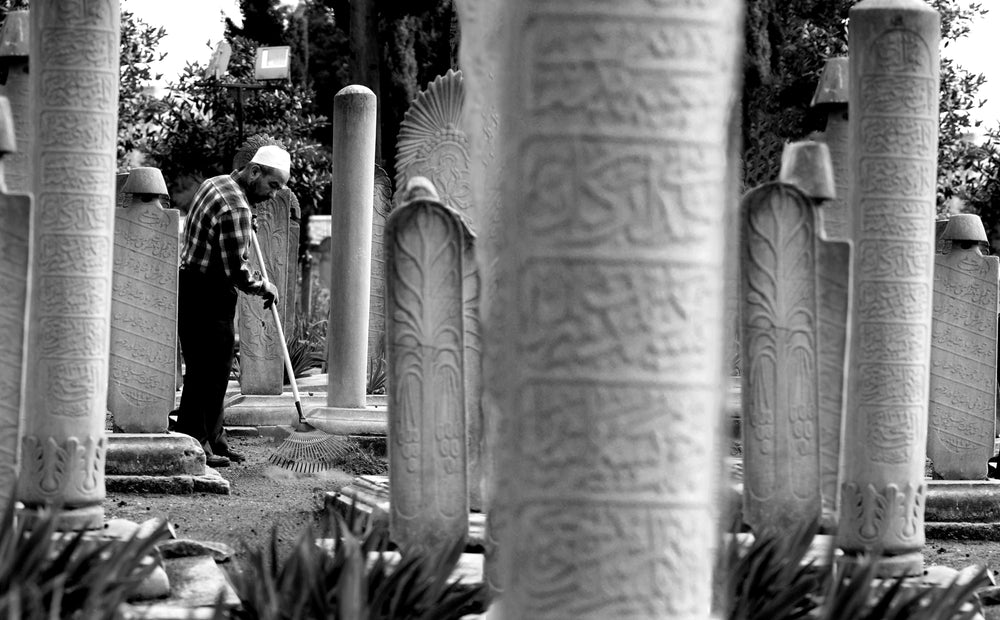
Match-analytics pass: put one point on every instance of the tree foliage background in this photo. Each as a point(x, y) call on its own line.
point(787, 44)
point(396, 48)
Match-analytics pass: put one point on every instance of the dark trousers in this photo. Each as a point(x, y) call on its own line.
point(206, 307)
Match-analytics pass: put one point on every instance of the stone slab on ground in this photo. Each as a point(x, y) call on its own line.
point(195, 584)
point(954, 509)
point(209, 482)
point(371, 421)
point(966, 501)
point(279, 410)
point(820, 551)
point(369, 495)
point(153, 454)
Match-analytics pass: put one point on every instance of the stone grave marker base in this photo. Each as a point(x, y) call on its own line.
point(369, 495)
point(372, 420)
point(171, 463)
point(279, 410)
point(195, 584)
point(893, 566)
point(69, 519)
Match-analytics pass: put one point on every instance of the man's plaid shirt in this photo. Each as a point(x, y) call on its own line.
point(217, 233)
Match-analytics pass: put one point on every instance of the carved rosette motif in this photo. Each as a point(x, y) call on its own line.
point(608, 370)
point(261, 365)
point(14, 221)
point(425, 353)
point(74, 52)
point(780, 375)
point(962, 412)
point(893, 158)
point(432, 143)
point(143, 295)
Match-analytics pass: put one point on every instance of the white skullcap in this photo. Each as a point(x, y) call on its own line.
point(274, 157)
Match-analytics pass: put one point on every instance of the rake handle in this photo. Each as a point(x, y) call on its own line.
point(277, 323)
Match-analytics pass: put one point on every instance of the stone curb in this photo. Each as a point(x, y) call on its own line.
point(955, 530)
point(211, 482)
point(369, 495)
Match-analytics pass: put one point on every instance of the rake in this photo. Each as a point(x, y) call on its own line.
point(307, 449)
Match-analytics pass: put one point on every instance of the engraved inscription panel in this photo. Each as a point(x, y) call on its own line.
point(962, 412)
point(425, 337)
point(144, 288)
point(262, 369)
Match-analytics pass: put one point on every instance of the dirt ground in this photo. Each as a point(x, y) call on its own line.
point(263, 496)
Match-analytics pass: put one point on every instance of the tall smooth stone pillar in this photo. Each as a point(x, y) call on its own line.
point(425, 339)
point(610, 365)
point(14, 54)
point(15, 217)
point(74, 90)
point(893, 154)
point(351, 245)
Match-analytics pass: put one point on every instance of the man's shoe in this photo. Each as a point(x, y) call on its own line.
point(235, 457)
point(216, 460)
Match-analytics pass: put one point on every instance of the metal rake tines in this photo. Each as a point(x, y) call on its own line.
point(301, 466)
point(323, 447)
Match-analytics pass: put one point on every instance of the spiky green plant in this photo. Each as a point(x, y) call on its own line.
point(313, 582)
point(770, 580)
point(306, 347)
point(377, 370)
point(49, 575)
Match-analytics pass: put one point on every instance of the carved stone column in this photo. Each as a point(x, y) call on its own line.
point(611, 272)
point(794, 317)
point(74, 90)
point(893, 172)
point(425, 340)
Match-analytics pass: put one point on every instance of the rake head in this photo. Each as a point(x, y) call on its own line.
point(309, 450)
